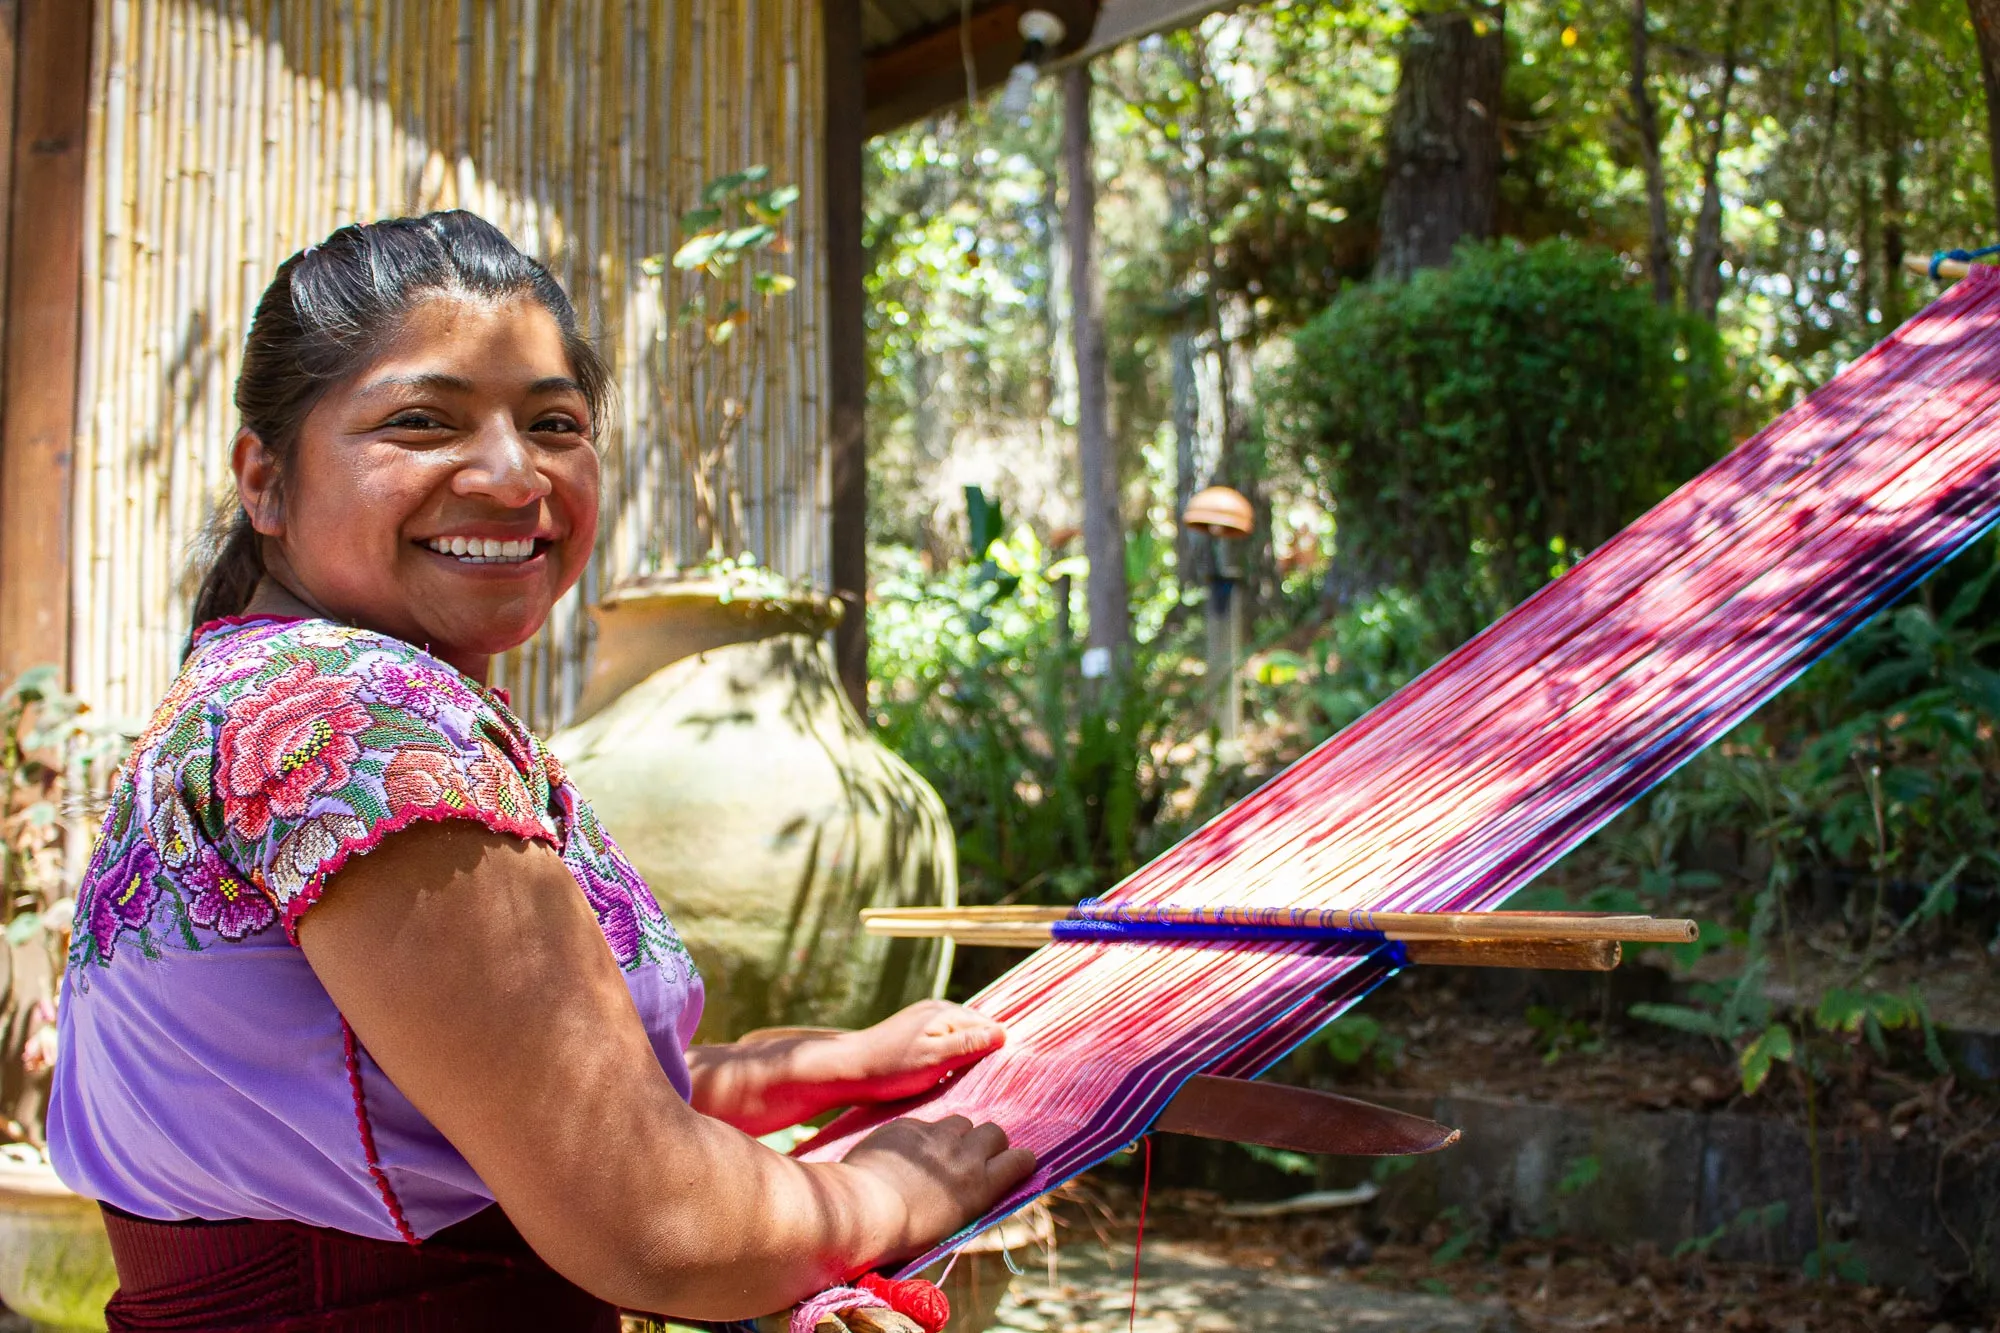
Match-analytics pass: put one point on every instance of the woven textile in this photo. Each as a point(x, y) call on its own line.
point(1480, 774)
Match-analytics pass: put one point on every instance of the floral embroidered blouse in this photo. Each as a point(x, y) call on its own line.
point(204, 1071)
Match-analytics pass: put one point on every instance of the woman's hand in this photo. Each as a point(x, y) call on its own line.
point(784, 1076)
point(908, 1052)
point(943, 1174)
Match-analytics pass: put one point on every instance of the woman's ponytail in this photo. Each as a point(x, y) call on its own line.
point(232, 562)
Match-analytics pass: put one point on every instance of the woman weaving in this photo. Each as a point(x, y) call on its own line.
point(367, 1023)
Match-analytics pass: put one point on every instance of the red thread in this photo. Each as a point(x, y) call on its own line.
point(382, 1185)
point(1145, 1192)
point(914, 1297)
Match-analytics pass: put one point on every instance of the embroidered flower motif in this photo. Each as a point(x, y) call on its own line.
point(497, 785)
point(616, 913)
point(122, 895)
point(421, 777)
point(172, 824)
point(224, 901)
point(287, 743)
point(309, 849)
point(429, 692)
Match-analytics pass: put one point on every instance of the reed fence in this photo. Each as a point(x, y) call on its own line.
point(225, 134)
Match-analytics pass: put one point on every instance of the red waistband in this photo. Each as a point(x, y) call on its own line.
point(286, 1277)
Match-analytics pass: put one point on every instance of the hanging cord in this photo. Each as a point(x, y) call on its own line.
point(1139, 1241)
point(1962, 256)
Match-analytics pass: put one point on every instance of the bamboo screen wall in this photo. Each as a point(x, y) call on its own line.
point(225, 134)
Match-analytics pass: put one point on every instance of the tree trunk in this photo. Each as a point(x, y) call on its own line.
point(1894, 302)
point(1705, 265)
point(1103, 533)
point(1646, 121)
point(1443, 180)
point(1986, 23)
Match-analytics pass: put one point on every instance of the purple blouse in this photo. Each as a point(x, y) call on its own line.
point(204, 1071)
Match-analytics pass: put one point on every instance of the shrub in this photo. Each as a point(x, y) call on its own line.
point(1475, 427)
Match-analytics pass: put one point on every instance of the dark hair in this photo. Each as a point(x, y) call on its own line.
point(325, 312)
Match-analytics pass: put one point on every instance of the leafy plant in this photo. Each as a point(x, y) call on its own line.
point(1390, 411)
point(1056, 791)
point(51, 753)
point(704, 373)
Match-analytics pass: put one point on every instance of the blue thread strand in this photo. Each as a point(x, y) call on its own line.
point(1962, 256)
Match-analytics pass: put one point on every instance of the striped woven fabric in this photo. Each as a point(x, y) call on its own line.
point(1469, 782)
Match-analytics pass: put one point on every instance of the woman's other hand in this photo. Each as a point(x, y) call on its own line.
point(908, 1052)
point(784, 1076)
point(944, 1174)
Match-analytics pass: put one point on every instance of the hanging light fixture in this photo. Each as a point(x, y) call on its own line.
point(1041, 33)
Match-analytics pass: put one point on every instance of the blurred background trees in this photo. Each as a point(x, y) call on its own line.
point(1452, 293)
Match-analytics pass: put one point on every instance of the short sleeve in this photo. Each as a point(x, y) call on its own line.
point(340, 738)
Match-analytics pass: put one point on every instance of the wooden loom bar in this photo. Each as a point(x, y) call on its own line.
point(1551, 955)
point(1394, 925)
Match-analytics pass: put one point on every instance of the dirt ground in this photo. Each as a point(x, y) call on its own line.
point(1205, 1272)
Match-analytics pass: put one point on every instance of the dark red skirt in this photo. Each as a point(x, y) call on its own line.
point(286, 1277)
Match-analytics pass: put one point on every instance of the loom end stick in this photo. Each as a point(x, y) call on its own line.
point(1297, 1120)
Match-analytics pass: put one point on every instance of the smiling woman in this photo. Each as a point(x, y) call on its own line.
point(361, 988)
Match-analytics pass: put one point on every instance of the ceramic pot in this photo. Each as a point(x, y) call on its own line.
point(55, 1260)
point(719, 749)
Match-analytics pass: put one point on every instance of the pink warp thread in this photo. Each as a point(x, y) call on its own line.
point(832, 1301)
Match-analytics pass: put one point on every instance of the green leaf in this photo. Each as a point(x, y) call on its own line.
point(773, 284)
point(1760, 1055)
point(23, 928)
point(701, 219)
point(722, 186)
point(40, 815)
point(653, 265)
point(748, 238)
point(1679, 1017)
point(697, 252)
point(1841, 1011)
point(1349, 1038)
point(1291, 1163)
point(1581, 1174)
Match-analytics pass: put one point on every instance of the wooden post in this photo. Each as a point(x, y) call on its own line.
point(847, 344)
point(38, 350)
point(1103, 532)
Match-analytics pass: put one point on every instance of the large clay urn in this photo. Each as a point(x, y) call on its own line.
point(719, 749)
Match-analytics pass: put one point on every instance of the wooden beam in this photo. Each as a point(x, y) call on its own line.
point(38, 349)
point(926, 72)
point(847, 345)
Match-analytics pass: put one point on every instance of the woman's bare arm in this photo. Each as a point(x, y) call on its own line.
point(471, 969)
point(783, 1076)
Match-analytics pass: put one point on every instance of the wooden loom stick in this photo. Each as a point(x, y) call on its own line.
point(1548, 955)
point(1563, 926)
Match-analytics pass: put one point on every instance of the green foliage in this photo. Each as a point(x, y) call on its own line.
point(1291, 1163)
point(1058, 787)
point(1580, 1174)
point(1473, 428)
point(1750, 1220)
point(1557, 1034)
point(1356, 1041)
point(53, 753)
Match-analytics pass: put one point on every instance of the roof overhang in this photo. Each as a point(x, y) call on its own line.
point(916, 50)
